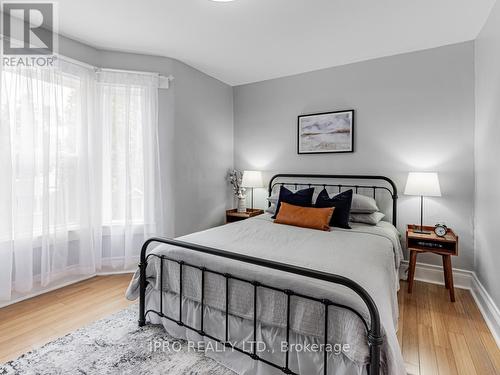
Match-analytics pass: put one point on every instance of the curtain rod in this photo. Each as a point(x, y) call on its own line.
point(98, 68)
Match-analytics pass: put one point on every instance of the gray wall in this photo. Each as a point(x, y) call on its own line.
point(196, 135)
point(413, 112)
point(203, 149)
point(488, 154)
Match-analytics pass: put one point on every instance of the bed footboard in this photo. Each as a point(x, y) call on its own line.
point(374, 337)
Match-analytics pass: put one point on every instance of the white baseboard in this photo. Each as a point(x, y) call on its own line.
point(433, 274)
point(488, 308)
point(465, 280)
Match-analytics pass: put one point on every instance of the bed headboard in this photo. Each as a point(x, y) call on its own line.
point(368, 185)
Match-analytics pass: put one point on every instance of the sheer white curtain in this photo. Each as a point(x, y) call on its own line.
point(79, 189)
point(131, 195)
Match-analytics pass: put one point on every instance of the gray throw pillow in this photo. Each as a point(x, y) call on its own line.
point(362, 204)
point(372, 219)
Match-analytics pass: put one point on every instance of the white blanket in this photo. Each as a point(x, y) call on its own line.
point(369, 255)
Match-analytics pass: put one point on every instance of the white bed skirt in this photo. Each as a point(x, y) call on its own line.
point(307, 362)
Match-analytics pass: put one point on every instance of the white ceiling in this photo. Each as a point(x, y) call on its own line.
point(253, 40)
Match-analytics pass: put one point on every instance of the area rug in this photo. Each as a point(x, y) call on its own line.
point(115, 345)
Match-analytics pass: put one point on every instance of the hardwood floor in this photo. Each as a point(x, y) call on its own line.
point(41, 319)
point(437, 337)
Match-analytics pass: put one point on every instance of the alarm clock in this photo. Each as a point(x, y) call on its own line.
point(440, 229)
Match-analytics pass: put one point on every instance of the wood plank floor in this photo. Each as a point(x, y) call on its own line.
point(437, 337)
point(38, 320)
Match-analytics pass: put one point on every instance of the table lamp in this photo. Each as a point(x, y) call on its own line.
point(423, 184)
point(251, 179)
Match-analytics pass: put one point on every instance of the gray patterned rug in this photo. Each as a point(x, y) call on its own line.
point(115, 345)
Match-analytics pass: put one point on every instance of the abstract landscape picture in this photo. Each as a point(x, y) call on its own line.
point(326, 132)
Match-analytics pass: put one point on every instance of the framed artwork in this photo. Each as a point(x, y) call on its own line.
point(327, 132)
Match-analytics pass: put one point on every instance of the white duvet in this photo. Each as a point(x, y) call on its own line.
point(369, 255)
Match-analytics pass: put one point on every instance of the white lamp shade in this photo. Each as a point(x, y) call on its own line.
point(251, 179)
point(423, 183)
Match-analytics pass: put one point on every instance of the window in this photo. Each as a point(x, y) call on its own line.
point(46, 120)
point(80, 187)
point(41, 115)
point(123, 177)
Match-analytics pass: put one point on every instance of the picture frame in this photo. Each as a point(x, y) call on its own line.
point(326, 132)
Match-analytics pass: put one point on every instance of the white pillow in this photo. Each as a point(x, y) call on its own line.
point(273, 199)
point(271, 209)
point(315, 194)
point(362, 204)
point(372, 219)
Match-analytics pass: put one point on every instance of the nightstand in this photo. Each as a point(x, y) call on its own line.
point(431, 243)
point(233, 215)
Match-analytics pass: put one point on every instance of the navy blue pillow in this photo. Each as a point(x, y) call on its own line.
point(301, 198)
point(341, 202)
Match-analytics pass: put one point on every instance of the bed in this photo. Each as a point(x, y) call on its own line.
point(282, 299)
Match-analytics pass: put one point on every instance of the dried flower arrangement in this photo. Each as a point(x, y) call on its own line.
point(234, 177)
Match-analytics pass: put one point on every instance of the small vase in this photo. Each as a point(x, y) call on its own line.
point(242, 204)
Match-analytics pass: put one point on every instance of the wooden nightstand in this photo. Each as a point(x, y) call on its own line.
point(431, 243)
point(234, 215)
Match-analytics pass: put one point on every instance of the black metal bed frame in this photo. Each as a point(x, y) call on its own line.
point(374, 336)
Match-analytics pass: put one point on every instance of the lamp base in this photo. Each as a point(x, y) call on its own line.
point(421, 231)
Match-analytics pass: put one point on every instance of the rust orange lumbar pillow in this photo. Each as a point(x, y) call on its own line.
point(306, 217)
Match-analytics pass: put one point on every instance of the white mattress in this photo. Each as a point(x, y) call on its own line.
point(369, 255)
